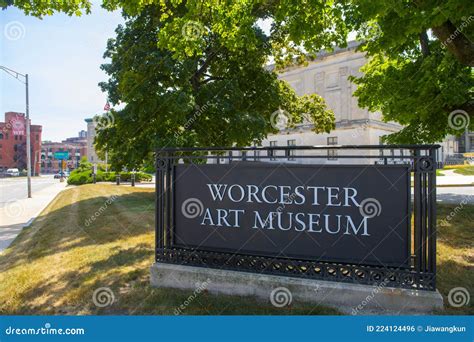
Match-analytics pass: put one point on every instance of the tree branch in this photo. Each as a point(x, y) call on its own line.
point(425, 48)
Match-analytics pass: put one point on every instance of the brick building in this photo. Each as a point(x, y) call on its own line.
point(13, 143)
point(76, 146)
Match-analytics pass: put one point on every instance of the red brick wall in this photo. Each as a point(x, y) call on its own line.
point(51, 165)
point(13, 147)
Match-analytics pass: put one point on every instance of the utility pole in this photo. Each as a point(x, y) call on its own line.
point(17, 75)
point(28, 140)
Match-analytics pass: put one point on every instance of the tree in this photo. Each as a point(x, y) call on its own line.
point(421, 51)
point(40, 8)
point(218, 97)
point(419, 72)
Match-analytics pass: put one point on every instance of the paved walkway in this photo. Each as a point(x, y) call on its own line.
point(451, 178)
point(16, 214)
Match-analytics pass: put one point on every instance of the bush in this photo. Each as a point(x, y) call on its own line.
point(143, 177)
point(84, 176)
point(78, 177)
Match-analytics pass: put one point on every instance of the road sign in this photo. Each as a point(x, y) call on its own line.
point(61, 155)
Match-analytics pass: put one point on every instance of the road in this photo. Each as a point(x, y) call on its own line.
point(13, 189)
point(455, 195)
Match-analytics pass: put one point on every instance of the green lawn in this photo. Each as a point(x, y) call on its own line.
point(54, 266)
point(466, 170)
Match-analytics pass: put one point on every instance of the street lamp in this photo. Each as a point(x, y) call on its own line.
point(17, 75)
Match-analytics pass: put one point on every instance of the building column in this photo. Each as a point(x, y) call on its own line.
point(467, 140)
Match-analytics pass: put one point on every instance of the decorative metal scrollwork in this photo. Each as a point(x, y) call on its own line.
point(425, 164)
point(378, 276)
point(161, 164)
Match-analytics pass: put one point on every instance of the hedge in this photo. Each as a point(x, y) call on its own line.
point(81, 176)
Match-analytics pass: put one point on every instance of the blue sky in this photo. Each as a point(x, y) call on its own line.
point(62, 56)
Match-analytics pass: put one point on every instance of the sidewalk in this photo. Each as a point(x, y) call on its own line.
point(453, 179)
point(19, 214)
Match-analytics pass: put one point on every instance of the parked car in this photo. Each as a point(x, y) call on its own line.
point(13, 172)
point(60, 174)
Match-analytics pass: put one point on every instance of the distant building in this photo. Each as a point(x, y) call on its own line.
point(328, 76)
point(13, 143)
point(76, 146)
point(91, 132)
point(82, 134)
point(465, 143)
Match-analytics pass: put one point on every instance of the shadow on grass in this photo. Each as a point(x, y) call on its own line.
point(62, 237)
point(93, 221)
point(115, 252)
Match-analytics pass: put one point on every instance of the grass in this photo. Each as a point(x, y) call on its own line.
point(466, 169)
point(55, 266)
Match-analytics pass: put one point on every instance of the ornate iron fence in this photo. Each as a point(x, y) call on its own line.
point(419, 159)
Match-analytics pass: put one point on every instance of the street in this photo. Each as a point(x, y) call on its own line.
point(455, 195)
point(14, 188)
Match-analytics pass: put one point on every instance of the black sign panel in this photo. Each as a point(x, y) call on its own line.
point(354, 214)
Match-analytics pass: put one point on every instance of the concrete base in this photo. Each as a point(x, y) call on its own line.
point(349, 298)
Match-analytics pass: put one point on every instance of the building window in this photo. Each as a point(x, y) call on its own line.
point(332, 154)
point(21, 137)
point(1, 136)
point(272, 153)
point(16, 137)
point(290, 152)
point(37, 137)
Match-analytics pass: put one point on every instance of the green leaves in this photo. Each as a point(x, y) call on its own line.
point(419, 71)
point(40, 8)
point(209, 95)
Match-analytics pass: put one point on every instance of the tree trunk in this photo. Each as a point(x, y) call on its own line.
point(456, 42)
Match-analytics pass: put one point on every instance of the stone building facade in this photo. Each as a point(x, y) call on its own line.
point(91, 132)
point(328, 76)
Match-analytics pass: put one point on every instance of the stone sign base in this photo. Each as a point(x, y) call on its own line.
point(349, 298)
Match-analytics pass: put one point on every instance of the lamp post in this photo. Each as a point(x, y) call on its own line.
point(17, 75)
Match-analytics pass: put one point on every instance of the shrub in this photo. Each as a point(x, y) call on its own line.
point(84, 176)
